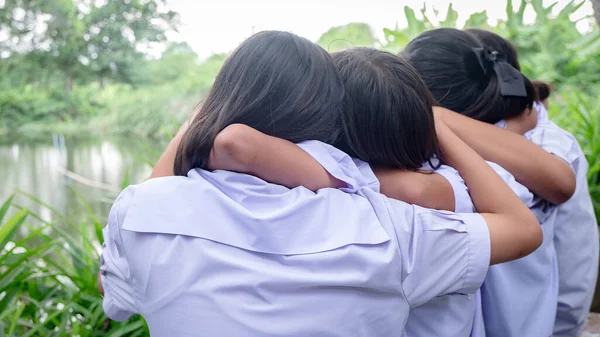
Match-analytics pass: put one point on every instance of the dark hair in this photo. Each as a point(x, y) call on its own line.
point(450, 67)
point(543, 89)
point(499, 44)
point(387, 118)
point(275, 82)
point(509, 52)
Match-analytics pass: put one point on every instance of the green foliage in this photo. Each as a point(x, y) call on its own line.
point(551, 49)
point(48, 278)
point(347, 36)
point(163, 93)
point(63, 53)
point(580, 115)
point(86, 38)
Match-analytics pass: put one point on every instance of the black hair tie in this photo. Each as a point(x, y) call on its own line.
point(512, 82)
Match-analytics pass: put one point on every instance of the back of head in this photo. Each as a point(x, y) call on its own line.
point(543, 89)
point(387, 118)
point(463, 75)
point(498, 43)
point(276, 82)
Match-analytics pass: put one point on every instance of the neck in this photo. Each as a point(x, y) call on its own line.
point(516, 126)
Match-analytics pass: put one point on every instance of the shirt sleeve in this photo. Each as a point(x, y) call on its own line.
point(119, 300)
point(355, 173)
point(462, 199)
point(442, 252)
point(556, 141)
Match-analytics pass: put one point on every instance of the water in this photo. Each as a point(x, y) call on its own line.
point(100, 167)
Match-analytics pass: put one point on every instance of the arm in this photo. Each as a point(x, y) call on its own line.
point(544, 174)
point(114, 278)
point(240, 148)
point(164, 165)
point(429, 190)
point(514, 230)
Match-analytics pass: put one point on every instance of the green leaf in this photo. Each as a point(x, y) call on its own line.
point(9, 228)
point(477, 20)
point(5, 207)
point(569, 9)
point(451, 18)
point(126, 329)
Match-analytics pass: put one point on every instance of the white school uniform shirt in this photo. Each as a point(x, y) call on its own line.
point(227, 254)
point(461, 315)
point(520, 282)
point(519, 298)
point(576, 231)
point(451, 315)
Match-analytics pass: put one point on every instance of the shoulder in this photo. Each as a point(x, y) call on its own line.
point(156, 188)
point(555, 140)
point(354, 172)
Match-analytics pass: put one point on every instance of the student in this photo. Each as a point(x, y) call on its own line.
point(576, 233)
point(379, 112)
point(222, 253)
point(518, 298)
point(453, 70)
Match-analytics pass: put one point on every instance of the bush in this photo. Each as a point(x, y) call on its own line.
point(580, 115)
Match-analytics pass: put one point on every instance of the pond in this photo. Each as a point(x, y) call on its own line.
point(63, 172)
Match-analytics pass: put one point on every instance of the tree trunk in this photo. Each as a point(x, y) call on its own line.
point(596, 6)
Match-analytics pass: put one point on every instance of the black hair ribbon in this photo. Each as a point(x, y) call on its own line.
point(512, 82)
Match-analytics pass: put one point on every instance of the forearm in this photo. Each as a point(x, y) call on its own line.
point(544, 174)
point(488, 191)
point(514, 231)
point(242, 149)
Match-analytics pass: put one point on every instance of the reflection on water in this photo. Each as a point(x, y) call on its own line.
point(38, 169)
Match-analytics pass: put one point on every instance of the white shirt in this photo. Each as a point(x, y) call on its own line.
point(519, 297)
point(227, 254)
point(576, 231)
point(451, 315)
point(462, 315)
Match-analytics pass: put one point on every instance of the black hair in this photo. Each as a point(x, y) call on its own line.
point(388, 117)
point(543, 89)
point(499, 44)
point(275, 82)
point(447, 62)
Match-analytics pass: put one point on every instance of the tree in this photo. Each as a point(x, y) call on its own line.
point(97, 39)
point(347, 36)
point(178, 60)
